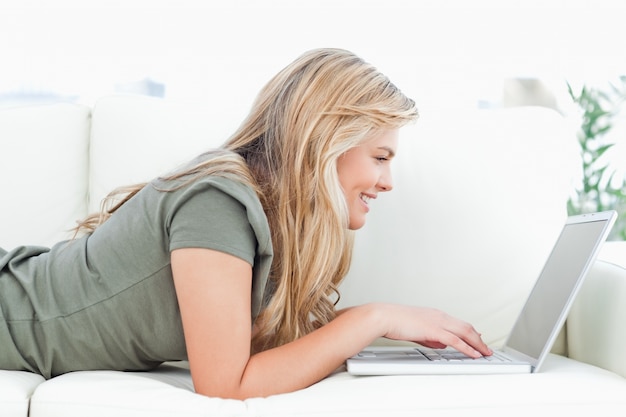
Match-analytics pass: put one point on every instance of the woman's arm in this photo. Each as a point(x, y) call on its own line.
point(214, 291)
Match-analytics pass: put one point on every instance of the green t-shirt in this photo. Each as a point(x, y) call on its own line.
point(107, 300)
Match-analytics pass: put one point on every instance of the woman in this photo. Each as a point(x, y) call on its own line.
point(233, 261)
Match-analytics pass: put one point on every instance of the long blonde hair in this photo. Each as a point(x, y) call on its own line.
point(321, 105)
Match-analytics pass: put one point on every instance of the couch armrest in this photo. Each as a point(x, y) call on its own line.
point(595, 325)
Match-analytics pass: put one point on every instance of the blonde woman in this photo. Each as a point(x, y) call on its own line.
point(232, 262)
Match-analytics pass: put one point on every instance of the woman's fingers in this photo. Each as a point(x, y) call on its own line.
point(435, 329)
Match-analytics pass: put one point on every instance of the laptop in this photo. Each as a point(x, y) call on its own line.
point(536, 327)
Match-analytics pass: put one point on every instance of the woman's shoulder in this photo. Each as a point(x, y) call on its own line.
point(231, 187)
point(215, 191)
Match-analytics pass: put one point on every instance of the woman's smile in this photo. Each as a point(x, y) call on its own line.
point(364, 171)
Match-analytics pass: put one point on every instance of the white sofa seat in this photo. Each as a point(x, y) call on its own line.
point(16, 389)
point(565, 387)
point(479, 198)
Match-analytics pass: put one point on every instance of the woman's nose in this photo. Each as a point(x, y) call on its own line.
point(385, 183)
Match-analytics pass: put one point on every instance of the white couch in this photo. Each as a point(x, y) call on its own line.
point(479, 198)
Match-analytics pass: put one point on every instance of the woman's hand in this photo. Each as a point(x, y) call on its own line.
point(431, 328)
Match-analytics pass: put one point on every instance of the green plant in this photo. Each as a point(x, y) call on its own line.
point(600, 189)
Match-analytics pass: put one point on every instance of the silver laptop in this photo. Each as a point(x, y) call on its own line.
point(535, 329)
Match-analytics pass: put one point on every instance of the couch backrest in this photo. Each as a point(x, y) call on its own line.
point(135, 139)
point(478, 201)
point(43, 172)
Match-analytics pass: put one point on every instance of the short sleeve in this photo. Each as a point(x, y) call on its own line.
point(203, 216)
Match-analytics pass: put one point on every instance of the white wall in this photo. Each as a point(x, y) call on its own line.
point(444, 54)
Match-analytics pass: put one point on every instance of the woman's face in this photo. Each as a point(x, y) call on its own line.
point(364, 171)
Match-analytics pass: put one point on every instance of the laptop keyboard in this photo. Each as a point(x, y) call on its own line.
point(456, 356)
point(434, 355)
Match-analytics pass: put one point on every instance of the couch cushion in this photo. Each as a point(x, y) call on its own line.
point(598, 314)
point(478, 202)
point(561, 389)
point(43, 174)
point(16, 389)
point(135, 139)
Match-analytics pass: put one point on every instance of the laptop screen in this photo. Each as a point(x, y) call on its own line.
point(544, 312)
